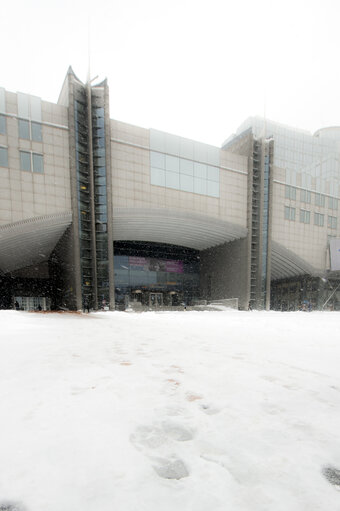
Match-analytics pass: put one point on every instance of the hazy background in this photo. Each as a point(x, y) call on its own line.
point(196, 68)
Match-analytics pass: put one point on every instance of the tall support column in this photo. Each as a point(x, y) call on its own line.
point(74, 271)
point(270, 152)
point(92, 199)
point(109, 197)
point(259, 222)
point(102, 193)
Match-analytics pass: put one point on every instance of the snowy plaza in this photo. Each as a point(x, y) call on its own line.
point(168, 411)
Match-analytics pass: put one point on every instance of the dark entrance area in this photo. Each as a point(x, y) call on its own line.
point(155, 275)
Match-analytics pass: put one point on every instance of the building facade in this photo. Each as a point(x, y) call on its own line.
point(98, 213)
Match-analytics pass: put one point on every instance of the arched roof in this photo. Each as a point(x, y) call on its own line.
point(30, 241)
point(181, 228)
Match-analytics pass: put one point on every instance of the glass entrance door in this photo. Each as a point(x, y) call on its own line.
point(156, 299)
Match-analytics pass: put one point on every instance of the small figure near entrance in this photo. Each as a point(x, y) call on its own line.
point(105, 305)
point(39, 307)
point(16, 305)
point(86, 304)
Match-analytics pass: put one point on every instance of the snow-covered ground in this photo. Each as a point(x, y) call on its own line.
point(185, 411)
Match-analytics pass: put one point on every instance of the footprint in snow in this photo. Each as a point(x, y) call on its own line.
point(160, 439)
point(172, 468)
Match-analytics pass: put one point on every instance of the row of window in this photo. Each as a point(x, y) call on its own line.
point(184, 174)
point(29, 130)
point(306, 196)
point(29, 161)
point(184, 182)
point(319, 218)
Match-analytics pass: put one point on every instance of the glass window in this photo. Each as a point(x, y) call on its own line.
point(213, 173)
point(25, 160)
point(213, 189)
point(319, 219)
point(2, 100)
point(200, 170)
point(213, 155)
point(101, 227)
point(186, 148)
point(332, 203)
point(99, 141)
point(23, 104)
point(304, 216)
point(290, 192)
point(100, 208)
point(36, 132)
point(200, 186)
point(98, 151)
point(305, 196)
point(137, 277)
point(98, 122)
point(319, 199)
point(100, 161)
point(98, 132)
point(171, 144)
point(172, 180)
point(187, 183)
point(186, 167)
point(172, 163)
point(157, 140)
point(99, 112)
point(3, 157)
point(101, 217)
point(35, 104)
point(38, 163)
point(2, 124)
point(289, 213)
point(157, 177)
point(157, 160)
point(24, 129)
point(200, 151)
point(332, 222)
point(99, 171)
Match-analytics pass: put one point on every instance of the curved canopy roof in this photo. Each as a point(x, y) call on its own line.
point(174, 227)
point(285, 264)
point(30, 241)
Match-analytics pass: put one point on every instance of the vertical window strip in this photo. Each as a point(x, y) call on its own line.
point(332, 222)
point(304, 216)
point(2, 125)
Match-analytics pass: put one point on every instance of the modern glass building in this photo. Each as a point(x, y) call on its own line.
point(98, 213)
point(303, 212)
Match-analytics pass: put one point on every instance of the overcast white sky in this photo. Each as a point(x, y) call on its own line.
point(196, 68)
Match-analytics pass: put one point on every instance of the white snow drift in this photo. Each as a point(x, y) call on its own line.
point(189, 411)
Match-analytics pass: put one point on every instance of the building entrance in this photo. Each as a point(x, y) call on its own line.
point(31, 303)
point(156, 299)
